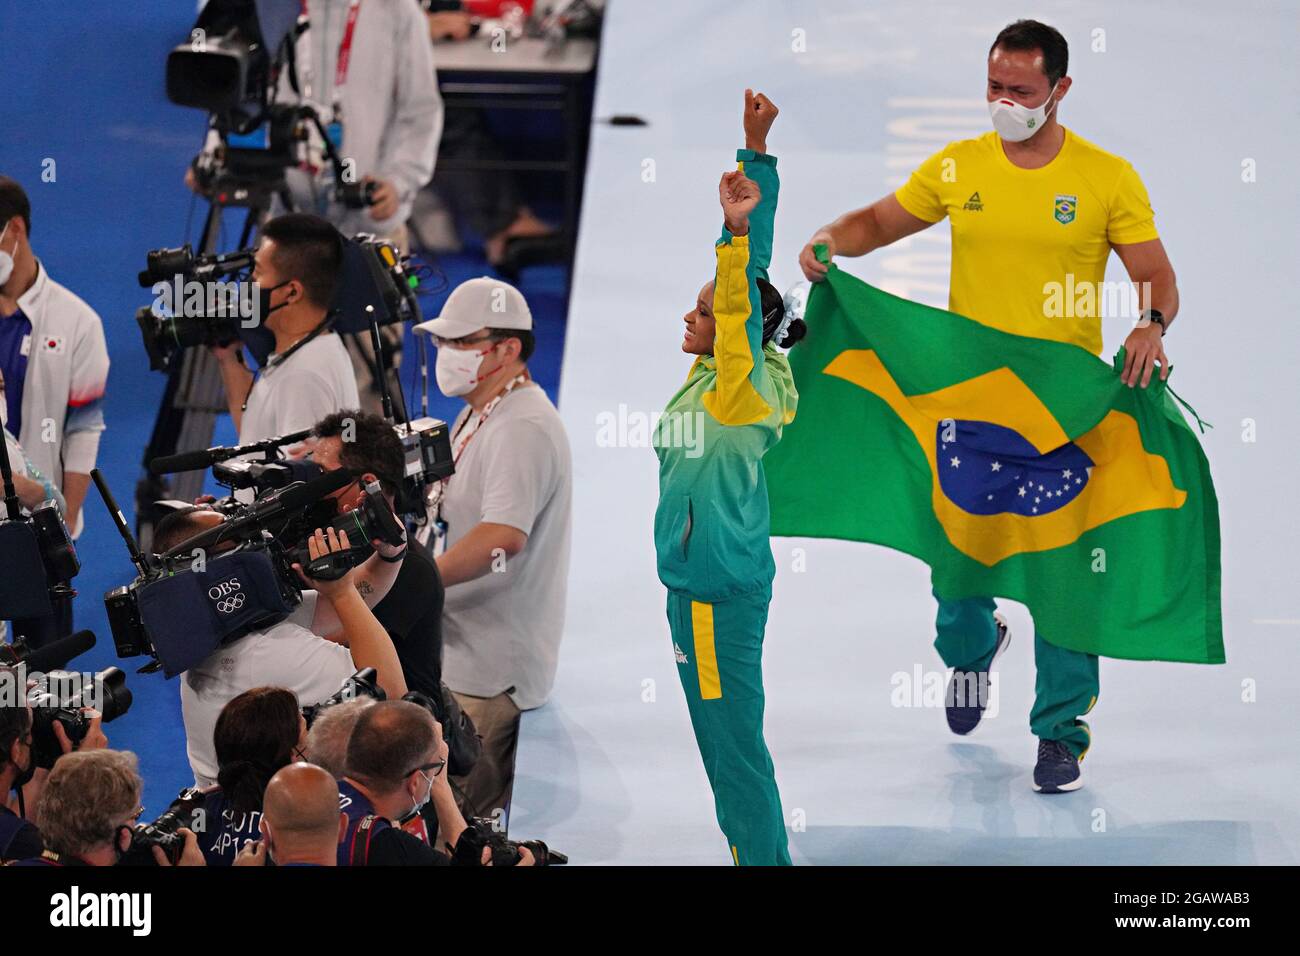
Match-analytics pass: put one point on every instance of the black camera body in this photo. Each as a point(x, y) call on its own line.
point(221, 311)
point(426, 443)
point(165, 833)
point(58, 553)
point(263, 476)
point(58, 699)
point(356, 195)
point(364, 683)
point(36, 553)
point(480, 833)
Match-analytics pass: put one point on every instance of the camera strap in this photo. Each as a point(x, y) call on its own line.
point(458, 450)
point(277, 360)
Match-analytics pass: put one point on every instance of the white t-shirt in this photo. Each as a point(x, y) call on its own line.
point(286, 655)
point(503, 629)
point(313, 382)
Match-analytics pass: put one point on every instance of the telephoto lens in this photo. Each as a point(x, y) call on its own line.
point(60, 698)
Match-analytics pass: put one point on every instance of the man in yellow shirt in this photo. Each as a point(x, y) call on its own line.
point(1035, 211)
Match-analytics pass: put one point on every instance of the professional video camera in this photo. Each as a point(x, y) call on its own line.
point(164, 832)
point(235, 53)
point(36, 553)
point(480, 832)
point(210, 299)
point(231, 67)
point(60, 696)
point(237, 576)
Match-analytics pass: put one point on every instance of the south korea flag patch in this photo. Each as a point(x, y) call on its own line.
point(56, 344)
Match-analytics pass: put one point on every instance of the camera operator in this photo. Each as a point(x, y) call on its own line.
point(367, 70)
point(395, 764)
point(257, 733)
point(286, 654)
point(502, 527)
point(297, 267)
point(411, 611)
point(19, 837)
point(53, 360)
point(89, 811)
point(301, 823)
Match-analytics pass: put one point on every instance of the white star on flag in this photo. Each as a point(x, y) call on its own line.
point(997, 466)
point(956, 462)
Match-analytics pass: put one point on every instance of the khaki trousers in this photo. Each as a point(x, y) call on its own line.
point(487, 788)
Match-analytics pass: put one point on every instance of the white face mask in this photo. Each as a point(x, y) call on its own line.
point(1016, 123)
point(457, 370)
point(6, 259)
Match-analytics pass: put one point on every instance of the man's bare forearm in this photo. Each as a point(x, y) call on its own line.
point(855, 233)
point(374, 579)
point(237, 380)
point(479, 552)
point(451, 824)
point(368, 642)
point(1164, 295)
point(74, 490)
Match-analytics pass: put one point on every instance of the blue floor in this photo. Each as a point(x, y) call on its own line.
point(85, 107)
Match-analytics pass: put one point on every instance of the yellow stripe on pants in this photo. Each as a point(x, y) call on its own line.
point(706, 656)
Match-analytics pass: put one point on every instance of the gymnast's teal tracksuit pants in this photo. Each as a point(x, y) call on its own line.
point(719, 651)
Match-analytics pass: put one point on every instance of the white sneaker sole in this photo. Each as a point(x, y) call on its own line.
point(1070, 787)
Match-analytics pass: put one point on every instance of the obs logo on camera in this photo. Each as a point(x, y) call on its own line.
point(227, 596)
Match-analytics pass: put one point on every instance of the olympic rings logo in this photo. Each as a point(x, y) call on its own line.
point(230, 604)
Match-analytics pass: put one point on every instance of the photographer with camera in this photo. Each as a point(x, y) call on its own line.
point(411, 611)
point(308, 375)
point(89, 811)
point(396, 760)
point(257, 733)
point(20, 773)
point(286, 654)
point(301, 823)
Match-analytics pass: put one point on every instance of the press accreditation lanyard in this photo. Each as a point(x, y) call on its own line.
point(458, 444)
point(341, 62)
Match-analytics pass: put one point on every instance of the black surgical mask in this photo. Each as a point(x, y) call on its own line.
point(264, 306)
point(25, 776)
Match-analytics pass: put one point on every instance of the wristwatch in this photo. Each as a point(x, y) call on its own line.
point(1155, 315)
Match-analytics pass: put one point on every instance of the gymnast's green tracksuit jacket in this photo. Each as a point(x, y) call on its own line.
point(712, 523)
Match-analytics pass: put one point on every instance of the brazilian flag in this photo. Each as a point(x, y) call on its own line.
point(1015, 467)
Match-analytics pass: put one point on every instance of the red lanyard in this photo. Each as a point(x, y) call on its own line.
point(487, 410)
point(345, 48)
point(345, 51)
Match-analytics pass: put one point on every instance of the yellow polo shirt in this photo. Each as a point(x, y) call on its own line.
point(1026, 243)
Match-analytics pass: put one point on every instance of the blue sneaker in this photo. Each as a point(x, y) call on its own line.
point(1057, 770)
point(968, 691)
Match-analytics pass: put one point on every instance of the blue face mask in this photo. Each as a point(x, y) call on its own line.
point(418, 806)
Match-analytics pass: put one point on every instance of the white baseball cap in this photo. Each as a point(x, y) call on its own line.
point(482, 303)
